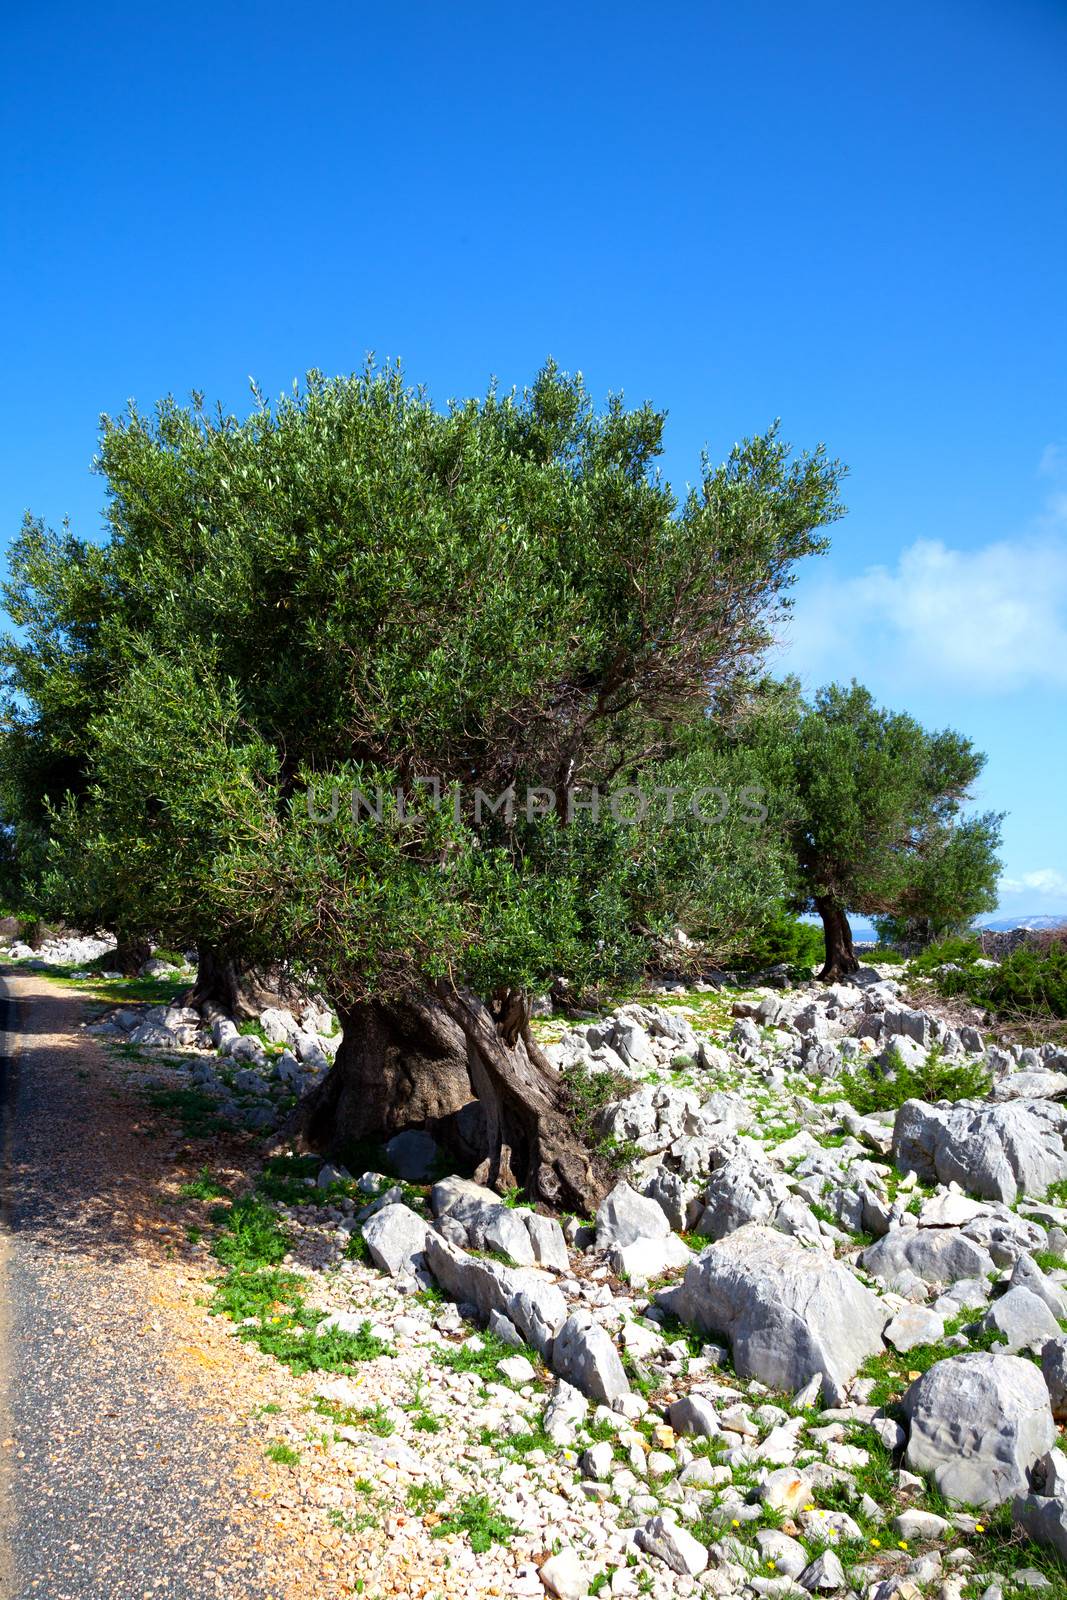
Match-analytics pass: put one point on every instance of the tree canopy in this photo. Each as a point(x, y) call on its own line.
point(352, 589)
point(877, 824)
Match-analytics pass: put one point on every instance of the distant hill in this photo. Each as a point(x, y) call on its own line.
point(1036, 921)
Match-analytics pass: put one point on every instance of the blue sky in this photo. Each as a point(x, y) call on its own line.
point(849, 216)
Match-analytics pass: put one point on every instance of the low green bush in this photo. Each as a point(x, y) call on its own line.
point(963, 951)
point(1031, 981)
point(875, 1086)
point(785, 941)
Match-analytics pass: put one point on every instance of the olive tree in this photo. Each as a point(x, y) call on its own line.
point(877, 823)
point(432, 611)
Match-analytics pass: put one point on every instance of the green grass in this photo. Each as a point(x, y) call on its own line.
point(197, 1112)
point(251, 1245)
point(283, 1454)
point(375, 1419)
point(252, 1237)
point(204, 1187)
point(483, 1525)
point(282, 1178)
point(1004, 1548)
point(890, 1370)
point(484, 1362)
point(1031, 982)
point(424, 1497)
point(588, 1093)
point(173, 958)
point(517, 1445)
point(120, 991)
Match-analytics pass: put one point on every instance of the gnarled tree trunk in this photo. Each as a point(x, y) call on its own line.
point(841, 959)
point(226, 986)
point(420, 1060)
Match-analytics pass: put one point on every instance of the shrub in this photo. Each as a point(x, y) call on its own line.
point(1032, 980)
point(962, 951)
point(784, 941)
point(875, 1087)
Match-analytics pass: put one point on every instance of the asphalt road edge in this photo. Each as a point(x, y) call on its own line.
point(8, 1019)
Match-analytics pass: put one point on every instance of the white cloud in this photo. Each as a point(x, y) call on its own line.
point(1046, 880)
point(1053, 463)
point(992, 619)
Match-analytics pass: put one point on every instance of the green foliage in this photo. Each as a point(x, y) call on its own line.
point(252, 1236)
point(350, 587)
point(890, 1370)
point(269, 1303)
point(785, 940)
point(959, 949)
point(283, 1178)
point(1030, 982)
point(478, 1518)
point(483, 1357)
point(424, 1497)
point(873, 1087)
point(204, 1187)
point(873, 804)
point(283, 1454)
point(196, 1111)
point(589, 1092)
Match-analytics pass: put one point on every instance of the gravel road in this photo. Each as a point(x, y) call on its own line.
point(116, 1483)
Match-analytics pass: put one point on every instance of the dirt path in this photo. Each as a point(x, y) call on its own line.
point(131, 1463)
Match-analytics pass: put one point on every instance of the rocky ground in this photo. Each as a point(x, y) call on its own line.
point(813, 1344)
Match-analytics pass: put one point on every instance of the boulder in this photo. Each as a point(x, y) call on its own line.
point(788, 1312)
point(501, 1229)
point(743, 1190)
point(279, 1025)
point(977, 1424)
point(523, 1295)
point(546, 1237)
point(901, 1022)
point(584, 1354)
point(565, 1411)
point(396, 1239)
point(625, 1216)
point(673, 1194)
point(1026, 1274)
point(785, 1490)
point(914, 1524)
point(1033, 1085)
point(1022, 1321)
point(824, 1575)
point(412, 1155)
point(997, 1152)
point(788, 1555)
point(564, 1575)
point(633, 1044)
point(936, 1255)
point(224, 1034)
point(662, 1537)
point(913, 1326)
point(1054, 1371)
point(693, 1414)
point(649, 1258)
point(1043, 1518)
point(451, 1195)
